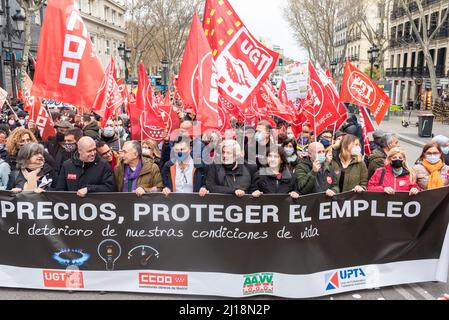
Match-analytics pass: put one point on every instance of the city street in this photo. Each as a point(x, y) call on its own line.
point(418, 291)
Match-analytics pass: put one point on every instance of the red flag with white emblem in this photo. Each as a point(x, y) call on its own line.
point(319, 108)
point(197, 81)
point(242, 62)
point(68, 69)
point(367, 127)
point(147, 120)
point(361, 90)
point(109, 98)
point(40, 116)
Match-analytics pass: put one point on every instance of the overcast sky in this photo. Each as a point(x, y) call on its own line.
point(264, 18)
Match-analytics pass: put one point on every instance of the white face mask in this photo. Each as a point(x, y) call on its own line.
point(356, 151)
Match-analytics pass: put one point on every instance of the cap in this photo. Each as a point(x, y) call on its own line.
point(339, 133)
point(64, 124)
point(378, 134)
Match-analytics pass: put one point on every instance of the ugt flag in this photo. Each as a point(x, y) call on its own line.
point(361, 90)
point(243, 63)
point(67, 69)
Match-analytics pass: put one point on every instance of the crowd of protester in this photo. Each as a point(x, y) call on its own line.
point(84, 158)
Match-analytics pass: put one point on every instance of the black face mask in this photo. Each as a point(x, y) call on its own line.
point(397, 164)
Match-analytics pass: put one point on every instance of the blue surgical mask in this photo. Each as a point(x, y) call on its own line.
point(433, 159)
point(321, 157)
point(289, 151)
point(108, 132)
point(445, 150)
point(326, 143)
point(181, 156)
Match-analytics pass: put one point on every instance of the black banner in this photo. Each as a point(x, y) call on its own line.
point(220, 233)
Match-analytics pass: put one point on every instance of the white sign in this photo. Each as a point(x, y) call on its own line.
point(295, 78)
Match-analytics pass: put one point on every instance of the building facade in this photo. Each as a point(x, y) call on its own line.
point(349, 40)
point(407, 69)
point(13, 42)
point(105, 22)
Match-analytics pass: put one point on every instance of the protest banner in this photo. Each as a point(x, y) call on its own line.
point(221, 245)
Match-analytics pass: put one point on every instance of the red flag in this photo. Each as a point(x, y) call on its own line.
point(274, 106)
point(147, 120)
point(109, 97)
point(319, 109)
point(40, 116)
point(283, 93)
point(197, 81)
point(28, 100)
point(68, 69)
point(172, 122)
point(367, 127)
point(361, 90)
point(242, 62)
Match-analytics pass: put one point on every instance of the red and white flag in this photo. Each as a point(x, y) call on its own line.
point(40, 116)
point(243, 63)
point(68, 69)
point(147, 120)
point(109, 98)
point(361, 90)
point(197, 80)
point(319, 108)
point(367, 127)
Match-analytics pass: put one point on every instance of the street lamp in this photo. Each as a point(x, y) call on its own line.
point(125, 54)
point(373, 54)
point(165, 62)
point(333, 67)
point(9, 31)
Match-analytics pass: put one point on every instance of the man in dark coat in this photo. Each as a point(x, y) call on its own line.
point(86, 172)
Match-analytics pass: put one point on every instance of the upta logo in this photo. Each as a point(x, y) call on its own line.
point(344, 278)
point(63, 279)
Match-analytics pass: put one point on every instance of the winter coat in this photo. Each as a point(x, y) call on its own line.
point(17, 180)
point(399, 183)
point(149, 176)
point(169, 175)
point(222, 180)
point(356, 174)
point(269, 184)
point(95, 176)
point(92, 130)
point(5, 171)
point(376, 160)
point(309, 181)
point(422, 175)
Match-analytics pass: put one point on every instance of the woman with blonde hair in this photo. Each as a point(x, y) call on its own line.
point(395, 176)
point(349, 166)
point(431, 171)
point(150, 150)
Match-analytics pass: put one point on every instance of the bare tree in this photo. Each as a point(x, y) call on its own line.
point(426, 37)
point(313, 23)
point(30, 7)
point(377, 33)
point(158, 29)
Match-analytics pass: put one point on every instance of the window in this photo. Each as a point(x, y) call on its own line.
point(106, 13)
point(108, 47)
point(91, 7)
point(392, 62)
point(78, 4)
point(114, 19)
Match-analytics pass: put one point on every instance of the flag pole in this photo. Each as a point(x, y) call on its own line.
point(11, 109)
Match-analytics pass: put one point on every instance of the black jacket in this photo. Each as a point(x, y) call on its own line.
point(269, 183)
point(96, 176)
point(222, 180)
point(17, 180)
point(315, 182)
point(199, 176)
point(92, 130)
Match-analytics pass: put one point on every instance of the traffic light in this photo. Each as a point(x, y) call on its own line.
point(280, 62)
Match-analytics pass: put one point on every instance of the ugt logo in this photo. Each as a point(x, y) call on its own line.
point(361, 89)
point(334, 280)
